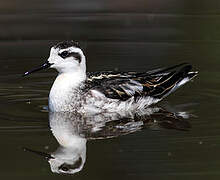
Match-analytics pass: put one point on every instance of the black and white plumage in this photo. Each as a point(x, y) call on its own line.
point(124, 85)
point(76, 90)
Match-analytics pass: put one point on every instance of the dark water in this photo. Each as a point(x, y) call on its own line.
point(124, 35)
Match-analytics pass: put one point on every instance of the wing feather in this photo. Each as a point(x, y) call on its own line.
point(124, 85)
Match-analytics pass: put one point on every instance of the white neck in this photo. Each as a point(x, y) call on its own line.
point(70, 79)
point(63, 90)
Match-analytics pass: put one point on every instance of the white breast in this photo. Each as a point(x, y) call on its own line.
point(64, 92)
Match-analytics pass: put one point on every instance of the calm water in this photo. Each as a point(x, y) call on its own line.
point(121, 35)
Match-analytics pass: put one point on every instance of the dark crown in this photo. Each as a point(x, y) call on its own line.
point(66, 44)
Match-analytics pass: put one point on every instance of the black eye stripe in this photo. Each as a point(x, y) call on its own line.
point(66, 54)
point(75, 55)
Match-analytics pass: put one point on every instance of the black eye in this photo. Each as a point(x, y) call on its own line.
point(64, 54)
point(63, 167)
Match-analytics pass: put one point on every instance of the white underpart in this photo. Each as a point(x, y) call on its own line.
point(65, 87)
point(97, 103)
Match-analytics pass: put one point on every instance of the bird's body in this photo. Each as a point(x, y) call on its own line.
point(76, 90)
point(92, 98)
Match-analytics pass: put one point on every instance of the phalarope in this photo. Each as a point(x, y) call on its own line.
point(107, 91)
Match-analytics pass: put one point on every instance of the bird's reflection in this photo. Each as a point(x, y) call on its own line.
point(72, 131)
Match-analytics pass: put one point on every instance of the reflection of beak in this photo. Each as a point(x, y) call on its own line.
point(43, 66)
point(43, 154)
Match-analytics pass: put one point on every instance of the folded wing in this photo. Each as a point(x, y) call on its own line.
point(156, 83)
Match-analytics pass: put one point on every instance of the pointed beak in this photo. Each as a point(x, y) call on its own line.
point(43, 154)
point(43, 66)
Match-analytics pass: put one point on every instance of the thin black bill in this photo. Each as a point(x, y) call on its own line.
point(43, 66)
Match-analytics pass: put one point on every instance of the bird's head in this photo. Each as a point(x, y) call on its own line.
point(65, 57)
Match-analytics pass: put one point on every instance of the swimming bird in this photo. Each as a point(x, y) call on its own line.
point(75, 90)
